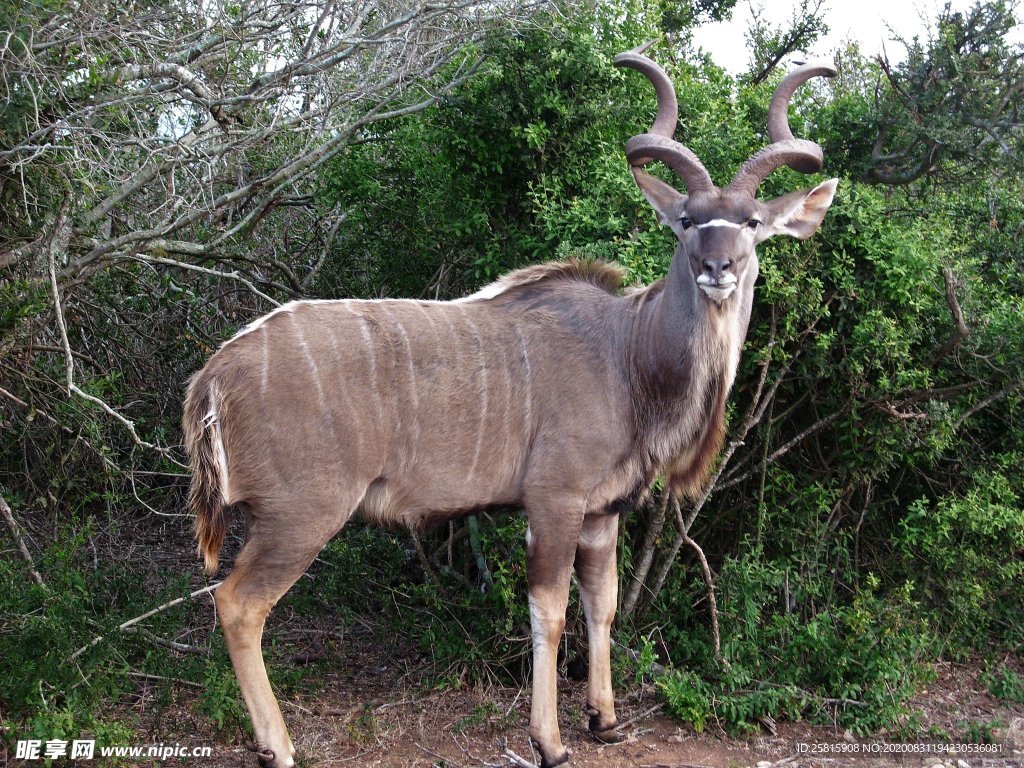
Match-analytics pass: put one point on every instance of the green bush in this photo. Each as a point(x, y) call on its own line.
point(851, 663)
point(965, 551)
point(1005, 684)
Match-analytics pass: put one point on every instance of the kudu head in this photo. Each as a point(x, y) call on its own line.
point(717, 227)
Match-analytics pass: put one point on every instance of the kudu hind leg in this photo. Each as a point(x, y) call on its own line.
point(266, 567)
point(549, 556)
point(598, 581)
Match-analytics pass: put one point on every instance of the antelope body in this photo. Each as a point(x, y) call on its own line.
point(549, 389)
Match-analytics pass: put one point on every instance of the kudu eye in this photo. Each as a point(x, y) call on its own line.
point(753, 224)
point(685, 222)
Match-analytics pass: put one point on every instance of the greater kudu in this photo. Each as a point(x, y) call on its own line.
point(549, 389)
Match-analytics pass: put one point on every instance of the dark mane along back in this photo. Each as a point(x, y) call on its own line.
point(601, 274)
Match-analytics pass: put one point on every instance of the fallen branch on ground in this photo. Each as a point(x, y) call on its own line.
point(517, 760)
point(642, 716)
point(132, 622)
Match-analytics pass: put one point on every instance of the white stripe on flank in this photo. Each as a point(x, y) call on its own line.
point(720, 223)
point(412, 382)
point(453, 356)
point(529, 381)
point(426, 314)
point(265, 372)
point(344, 394)
point(368, 341)
point(315, 374)
point(481, 427)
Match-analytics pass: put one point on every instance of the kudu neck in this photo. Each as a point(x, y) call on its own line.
point(684, 318)
point(680, 337)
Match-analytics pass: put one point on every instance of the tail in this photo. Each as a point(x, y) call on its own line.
point(206, 498)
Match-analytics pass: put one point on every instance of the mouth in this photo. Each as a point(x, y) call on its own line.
point(717, 291)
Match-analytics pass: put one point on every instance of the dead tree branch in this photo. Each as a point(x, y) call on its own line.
point(985, 403)
point(12, 526)
point(684, 534)
point(153, 612)
point(54, 246)
point(960, 330)
point(647, 550)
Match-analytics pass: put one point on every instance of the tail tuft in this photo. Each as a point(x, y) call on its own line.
point(206, 497)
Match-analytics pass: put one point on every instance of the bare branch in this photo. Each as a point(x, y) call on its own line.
point(647, 550)
point(960, 331)
point(985, 403)
point(684, 534)
point(57, 242)
point(786, 447)
point(518, 761)
point(153, 612)
point(15, 530)
point(172, 138)
point(232, 275)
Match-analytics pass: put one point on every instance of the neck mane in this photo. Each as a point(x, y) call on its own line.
point(683, 355)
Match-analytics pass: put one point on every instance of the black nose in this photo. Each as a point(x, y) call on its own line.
point(716, 267)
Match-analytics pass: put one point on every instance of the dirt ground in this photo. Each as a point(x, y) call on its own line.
point(374, 711)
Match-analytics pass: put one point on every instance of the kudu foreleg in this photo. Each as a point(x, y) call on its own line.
point(598, 581)
point(549, 556)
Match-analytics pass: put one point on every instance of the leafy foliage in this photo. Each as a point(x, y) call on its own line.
point(953, 106)
point(1005, 684)
point(870, 521)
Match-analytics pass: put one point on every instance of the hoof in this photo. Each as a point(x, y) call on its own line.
point(607, 733)
point(545, 762)
point(561, 760)
point(264, 754)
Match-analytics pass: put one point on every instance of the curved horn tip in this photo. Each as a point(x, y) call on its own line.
point(640, 50)
point(824, 67)
point(808, 165)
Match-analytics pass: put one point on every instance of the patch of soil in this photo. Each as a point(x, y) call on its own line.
point(372, 709)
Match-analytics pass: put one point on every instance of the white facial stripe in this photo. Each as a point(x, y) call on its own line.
point(720, 223)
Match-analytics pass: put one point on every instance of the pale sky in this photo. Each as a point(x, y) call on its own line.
point(866, 21)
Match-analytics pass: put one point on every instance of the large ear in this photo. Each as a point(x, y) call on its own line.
point(664, 199)
point(799, 214)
